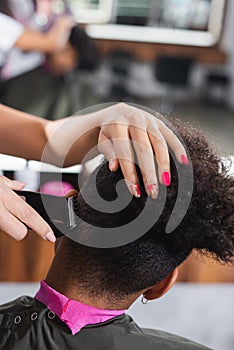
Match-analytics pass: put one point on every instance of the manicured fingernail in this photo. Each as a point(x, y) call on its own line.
point(111, 164)
point(136, 190)
point(50, 237)
point(166, 178)
point(153, 190)
point(184, 159)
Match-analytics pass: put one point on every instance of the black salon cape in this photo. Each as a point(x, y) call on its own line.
point(25, 324)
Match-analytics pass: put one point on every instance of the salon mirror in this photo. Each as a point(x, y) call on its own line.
point(183, 22)
point(88, 11)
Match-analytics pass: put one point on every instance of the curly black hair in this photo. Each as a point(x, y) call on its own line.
point(208, 226)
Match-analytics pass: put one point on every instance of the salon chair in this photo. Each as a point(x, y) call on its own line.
point(216, 88)
point(120, 62)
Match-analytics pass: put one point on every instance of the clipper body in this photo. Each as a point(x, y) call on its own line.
point(59, 212)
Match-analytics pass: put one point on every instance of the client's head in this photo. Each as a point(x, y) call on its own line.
point(115, 277)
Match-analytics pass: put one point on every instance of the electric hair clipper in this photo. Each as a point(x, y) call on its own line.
point(59, 212)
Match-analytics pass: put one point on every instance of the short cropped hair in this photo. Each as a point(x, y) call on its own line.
point(208, 226)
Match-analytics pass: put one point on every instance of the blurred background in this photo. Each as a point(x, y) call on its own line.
point(175, 56)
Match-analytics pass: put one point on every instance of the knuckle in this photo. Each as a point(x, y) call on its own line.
point(101, 136)
point(152, 179)
point(178, 148)
point(144, 149)
point(160, 141)
point(164, 164)
point(100, 146)
point(120, 128)
point(145, 145)
point(140, 119)
point(153, 130)
point(159, 123)
point(131, 112)
point(130, 179)
point(26, 215)
point(150, 173)
point(123, 105)
point(123, 156)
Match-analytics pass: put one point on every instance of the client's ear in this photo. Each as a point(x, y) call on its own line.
point(162, 287)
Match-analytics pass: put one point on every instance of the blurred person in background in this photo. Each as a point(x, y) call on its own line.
point(39, 54)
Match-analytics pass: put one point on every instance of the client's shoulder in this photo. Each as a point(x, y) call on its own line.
point(150, 339)
point(17, 305)
point(21, 304)
point(166, 340)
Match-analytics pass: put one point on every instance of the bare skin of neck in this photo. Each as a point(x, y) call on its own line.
point(61, 282)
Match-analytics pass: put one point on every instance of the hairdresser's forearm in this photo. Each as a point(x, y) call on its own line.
point(49, 42)
point(30, 137)
point(21, 134)
point(33, 41)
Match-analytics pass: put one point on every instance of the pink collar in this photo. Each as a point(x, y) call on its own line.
point(73, 313)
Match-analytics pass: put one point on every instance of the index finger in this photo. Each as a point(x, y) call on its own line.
point(124, 153)
point(27, 215)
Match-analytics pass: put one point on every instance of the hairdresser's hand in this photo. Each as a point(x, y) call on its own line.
point(63, 61)
point(15, 213)
point(125, 127)
point(59, 34)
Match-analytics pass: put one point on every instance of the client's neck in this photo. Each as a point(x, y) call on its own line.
point(60, 279)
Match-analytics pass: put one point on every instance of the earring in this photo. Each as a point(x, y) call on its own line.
point(144, 300)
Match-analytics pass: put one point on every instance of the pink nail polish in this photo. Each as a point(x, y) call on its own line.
point(136, 190)
point(166, 178)
point(184, 159)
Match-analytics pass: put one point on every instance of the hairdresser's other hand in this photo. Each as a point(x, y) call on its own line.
point(63, 61)
point(125, 128)
point(15, 213)
point(59, 34)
